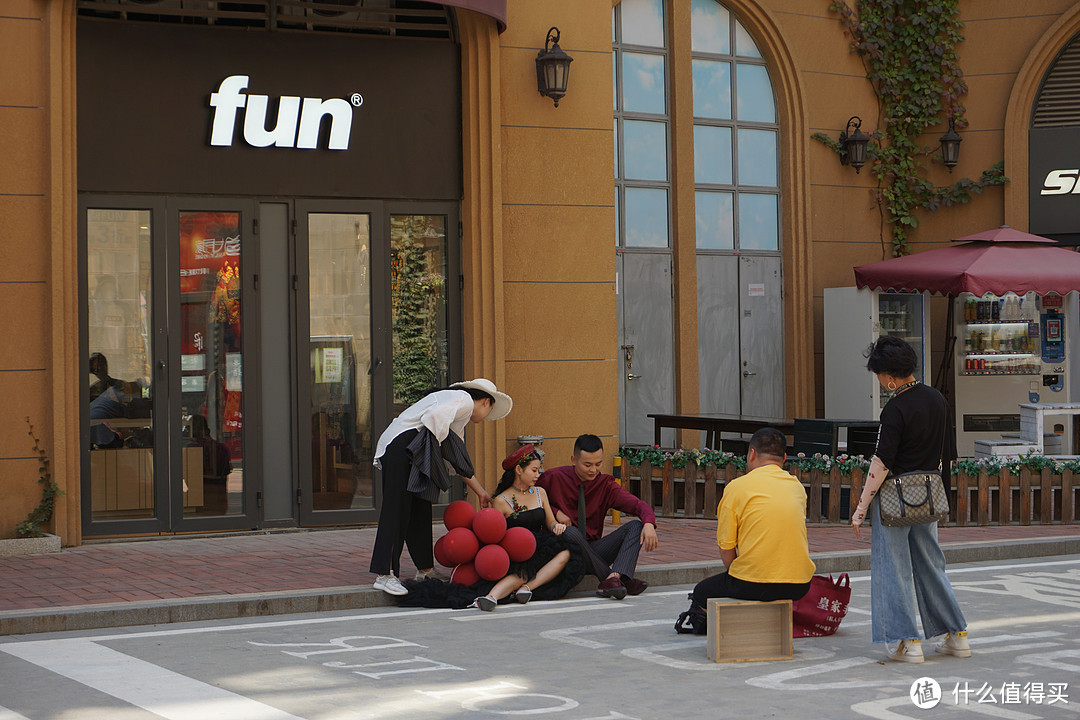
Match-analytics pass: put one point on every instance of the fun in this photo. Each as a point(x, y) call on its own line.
point(230, 98)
